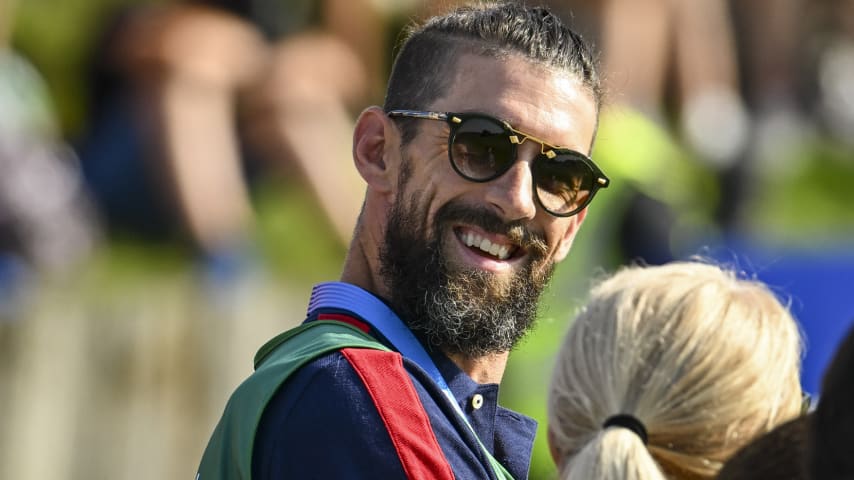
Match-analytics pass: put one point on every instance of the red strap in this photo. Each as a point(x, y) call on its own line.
point(340, 317)
point(400, 408)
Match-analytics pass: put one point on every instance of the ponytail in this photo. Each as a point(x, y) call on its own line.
point(613, 453)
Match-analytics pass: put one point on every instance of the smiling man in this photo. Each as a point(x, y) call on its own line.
point(478, 180)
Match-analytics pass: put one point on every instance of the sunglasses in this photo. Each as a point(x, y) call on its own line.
point(482, 148)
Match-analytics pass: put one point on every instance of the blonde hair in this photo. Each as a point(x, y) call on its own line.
point(706, 360)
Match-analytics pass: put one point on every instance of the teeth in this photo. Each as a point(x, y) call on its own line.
point(502, 252)
point(469, 239)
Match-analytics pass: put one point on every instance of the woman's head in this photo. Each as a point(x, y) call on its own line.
point(704, 359)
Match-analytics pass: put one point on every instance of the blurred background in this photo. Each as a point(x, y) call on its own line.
point(175, 175)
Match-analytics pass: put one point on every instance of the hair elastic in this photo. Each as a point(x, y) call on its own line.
point(630, 422)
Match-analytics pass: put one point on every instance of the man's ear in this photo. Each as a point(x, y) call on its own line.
point(374, 139)
point(569, 235)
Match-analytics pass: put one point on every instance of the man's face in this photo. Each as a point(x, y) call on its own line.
point(465, 262)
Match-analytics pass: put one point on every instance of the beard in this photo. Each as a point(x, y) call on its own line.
point(452, 308)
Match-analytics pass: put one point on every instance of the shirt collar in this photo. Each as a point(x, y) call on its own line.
point(374, 311)
point(508, 435)
point(349, 297)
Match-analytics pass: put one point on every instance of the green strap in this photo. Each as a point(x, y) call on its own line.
point(497, 468)
point(229, 452)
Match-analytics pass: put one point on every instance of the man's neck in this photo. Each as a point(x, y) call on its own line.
point(362, 265)
point(486, 369)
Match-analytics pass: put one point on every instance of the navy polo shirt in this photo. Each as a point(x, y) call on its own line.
point(324, 423)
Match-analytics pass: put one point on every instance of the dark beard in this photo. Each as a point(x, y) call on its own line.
point(454, 310)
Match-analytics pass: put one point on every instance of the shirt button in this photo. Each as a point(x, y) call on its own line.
point(477, 401)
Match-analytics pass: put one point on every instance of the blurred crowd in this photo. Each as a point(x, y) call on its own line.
point(189, 103)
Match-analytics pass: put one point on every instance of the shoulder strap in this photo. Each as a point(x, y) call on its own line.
point(229, 452)
point(402, 413)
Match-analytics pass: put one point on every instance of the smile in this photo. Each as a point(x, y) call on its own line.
point(494, 247)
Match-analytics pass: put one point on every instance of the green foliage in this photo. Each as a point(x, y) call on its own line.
point(811, 204)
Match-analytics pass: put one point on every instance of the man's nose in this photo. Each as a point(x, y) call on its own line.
point(512, 193)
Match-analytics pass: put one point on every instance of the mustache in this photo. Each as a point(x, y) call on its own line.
point(517, 231)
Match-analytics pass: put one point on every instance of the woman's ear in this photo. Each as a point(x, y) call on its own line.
point(553, 449)
point(374, 137)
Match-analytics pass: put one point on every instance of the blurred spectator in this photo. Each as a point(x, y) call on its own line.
point(46, 222)
point(644, 41)
point(772, 54)
point(190, 96)
point(672, 73)
point(737, 89)
point(835, 69)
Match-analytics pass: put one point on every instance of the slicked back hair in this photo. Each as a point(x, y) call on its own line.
point(426, 63)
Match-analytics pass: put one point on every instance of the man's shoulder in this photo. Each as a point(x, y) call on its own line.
point(334, 372)
point(332, 379)
point(325, 416)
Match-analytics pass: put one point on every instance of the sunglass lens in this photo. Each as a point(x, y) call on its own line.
point(481, 149)
point(564, 183)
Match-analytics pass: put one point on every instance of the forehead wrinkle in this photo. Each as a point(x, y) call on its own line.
point(547, 103)
point(544, 120)
point(546, 141)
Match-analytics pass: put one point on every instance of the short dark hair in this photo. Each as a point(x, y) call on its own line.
point(833, 426)
point(776, 455)
point(424, 65)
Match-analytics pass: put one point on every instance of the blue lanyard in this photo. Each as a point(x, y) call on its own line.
point(381, 317)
